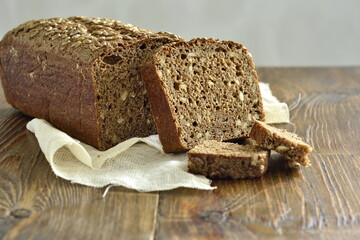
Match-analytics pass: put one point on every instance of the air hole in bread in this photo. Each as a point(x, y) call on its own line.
point(112, 60)
point(143, 46)
point(176, 85)
point(183, 56)
point(220, 49)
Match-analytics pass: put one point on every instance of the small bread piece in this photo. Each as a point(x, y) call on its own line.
point(202, 90)
point(281, 141)
point(220, 160)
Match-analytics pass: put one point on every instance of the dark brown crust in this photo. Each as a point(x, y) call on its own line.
point(59, 93)
point(222, 167)
point(166, 125)
point(47, 70)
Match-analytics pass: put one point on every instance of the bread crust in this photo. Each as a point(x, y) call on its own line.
point(58, 93)
point(48, 70)
point(167, 127)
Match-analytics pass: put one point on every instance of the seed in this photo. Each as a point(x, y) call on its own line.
point(33, 33)
point(207, 135)
point(56, 36)
point(241, 96)
point(260, 161)
point(75, 44)
point(281, 148)
point(120, 120)
point(48, 33)
point(65, 43)
point(210, 83)
point(182, 86)
point(237, 132)
point(97, 43)
point(237, 122)
point(123, 96)
point(184, 100)
point(253, 161)
point(199, 135)
point(93, 47)
point(13, 52)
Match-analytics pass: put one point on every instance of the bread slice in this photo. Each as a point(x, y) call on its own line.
point(281, 141)
point(202, 90)
point(219, 160)
point(82, 75)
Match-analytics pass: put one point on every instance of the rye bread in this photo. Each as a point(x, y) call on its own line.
point(281, 141)
point(200, 90)
point(82, 75)
point(219, 160)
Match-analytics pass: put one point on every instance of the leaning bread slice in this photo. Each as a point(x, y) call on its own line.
point(202, 90)
point(228, 160)
point(281, 141)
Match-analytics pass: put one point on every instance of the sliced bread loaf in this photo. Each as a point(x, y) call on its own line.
point(202, 90)
point(228, 160)
point(281, 141)
point(82, 75)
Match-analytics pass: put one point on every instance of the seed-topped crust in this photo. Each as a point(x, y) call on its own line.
point(71, 71)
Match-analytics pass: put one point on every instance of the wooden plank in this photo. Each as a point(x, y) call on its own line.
point(34, 204)
point(322, 201)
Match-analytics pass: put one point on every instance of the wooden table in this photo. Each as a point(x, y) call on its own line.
point(319, 202)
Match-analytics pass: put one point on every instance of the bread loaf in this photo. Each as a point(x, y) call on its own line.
point(282, 142)
point(219, 160)
point(82, 75)
point(202, 90)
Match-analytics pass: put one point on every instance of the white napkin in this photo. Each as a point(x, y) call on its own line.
point(138, 163)
point(275, 111)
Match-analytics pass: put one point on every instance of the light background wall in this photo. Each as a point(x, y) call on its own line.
point(277, 32)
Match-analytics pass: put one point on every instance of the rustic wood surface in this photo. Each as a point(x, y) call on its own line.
point(318, 202)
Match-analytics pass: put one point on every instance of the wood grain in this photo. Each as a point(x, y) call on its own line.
point(321, 201)
point(34, 204)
